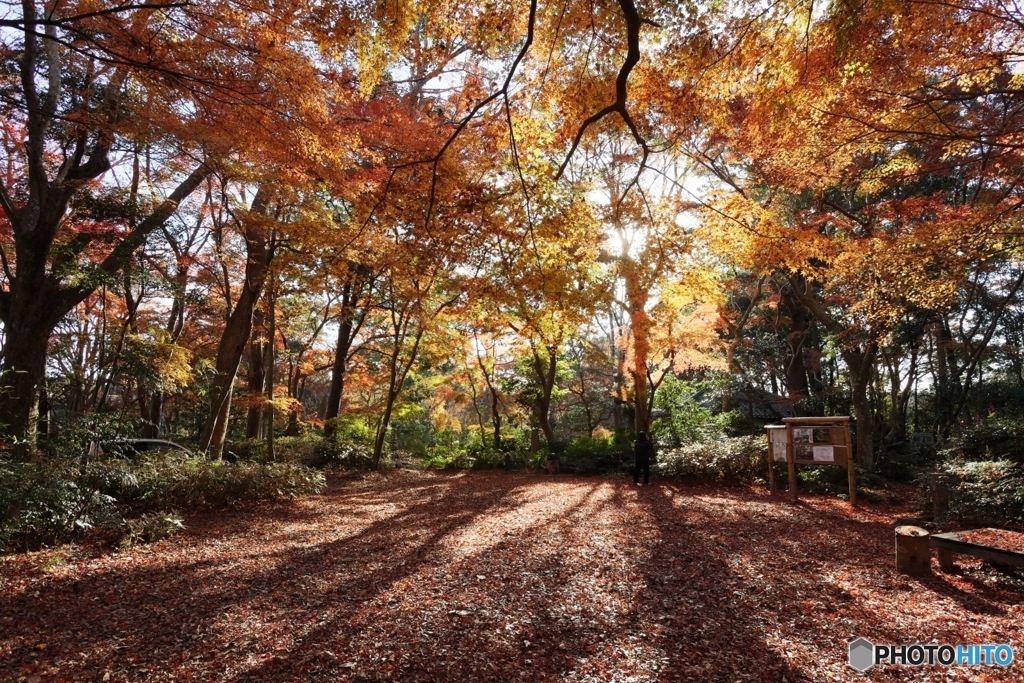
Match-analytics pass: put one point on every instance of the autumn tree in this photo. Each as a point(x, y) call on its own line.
point(191, 83)
point(856, 175)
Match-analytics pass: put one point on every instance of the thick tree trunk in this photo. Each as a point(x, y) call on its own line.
point(347, 328)
point(257, 378)
point(796, 370)
point(545, 369)
point(229, 354)
point(859, 364)
point(237, 331)
point(23, 368)
point(30, 311)
point(640, 329)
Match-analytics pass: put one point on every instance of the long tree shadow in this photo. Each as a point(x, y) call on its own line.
point(567, 598)
point(810, 580)
point(475, 577)
point(470, 619)
point(179, 616)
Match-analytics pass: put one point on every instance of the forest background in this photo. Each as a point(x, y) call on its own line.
point(478, 234)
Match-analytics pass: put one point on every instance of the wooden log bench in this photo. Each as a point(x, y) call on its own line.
point(994, 545)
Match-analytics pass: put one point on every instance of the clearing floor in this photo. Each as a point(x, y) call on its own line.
point(489, 576)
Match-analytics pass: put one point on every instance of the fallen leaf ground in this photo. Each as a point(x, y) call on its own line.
point(500, 577)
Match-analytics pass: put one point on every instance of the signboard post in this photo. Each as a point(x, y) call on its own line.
point(811, 441)
point(777, 449)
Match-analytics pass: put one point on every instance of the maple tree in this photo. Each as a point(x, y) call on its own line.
point(274, 176)
point(840, 178)
point(93, 80)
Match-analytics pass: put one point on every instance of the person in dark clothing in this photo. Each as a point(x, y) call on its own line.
point(643, 453)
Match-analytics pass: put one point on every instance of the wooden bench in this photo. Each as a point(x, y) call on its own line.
point(957, 542)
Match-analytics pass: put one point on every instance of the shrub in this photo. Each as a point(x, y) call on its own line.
point(821, 479)
point(688, 420)
point(993, 439)
point(739, 459)
point(169, 480)
point(151, 526)
point(986, 492)
point(338, 451)
point(47, 502)
point(592, 456)
point(341, 451)
point(72, 436)
point(450, 458)
point(902, 461)
point(51, 501)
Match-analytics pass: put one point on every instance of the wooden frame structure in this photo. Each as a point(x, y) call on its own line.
point(950, 543)
point(810, 441)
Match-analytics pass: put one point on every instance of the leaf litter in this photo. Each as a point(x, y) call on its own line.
point(420, 576)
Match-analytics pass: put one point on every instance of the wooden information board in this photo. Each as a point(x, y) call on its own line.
point(810, 441)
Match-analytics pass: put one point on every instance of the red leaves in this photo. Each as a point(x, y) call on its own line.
point(997, 538)
point(584, 579)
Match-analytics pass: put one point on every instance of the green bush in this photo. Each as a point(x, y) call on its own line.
point(986, 492)
point(46, 502)
point(350, 427)
point(74, 434)
point(169, 480)
point(450, 458)
point(820, 479)
point(738, 459)
point(51, 501)
point(902, 462)
point(993, 439)
point(338, 451)
point(593, 456)
point(687, 421)
point(341, 451)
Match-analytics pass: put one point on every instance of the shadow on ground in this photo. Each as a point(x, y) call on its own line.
point(491, 576)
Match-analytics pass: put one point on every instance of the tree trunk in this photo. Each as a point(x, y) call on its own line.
point(495, 397)
point(271, 331)
point(640, 329)
point(346, 332)
point(257, 377)
point(545, 369)
point(796, 369)
point(859, 364)
point(396, 380)
point(43, 434)
point(23, 369)
point(496, 419)
point(237, 331)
